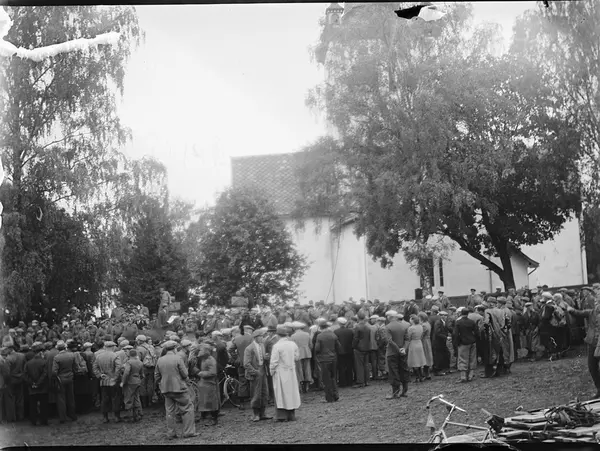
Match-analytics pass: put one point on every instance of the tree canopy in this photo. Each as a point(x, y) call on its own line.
point(241, 244)
point(440, 135)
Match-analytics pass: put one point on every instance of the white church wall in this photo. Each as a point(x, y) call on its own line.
point(316, 248)
point(395, 283)
point(561, 260)
point(350, 274)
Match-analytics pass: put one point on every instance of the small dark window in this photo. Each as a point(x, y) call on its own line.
point(441, 264)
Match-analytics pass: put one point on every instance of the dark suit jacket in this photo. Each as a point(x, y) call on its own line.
point(345, 336)
point(327, 347)
point(362, 338)
point(36, 372)
point(465, 332)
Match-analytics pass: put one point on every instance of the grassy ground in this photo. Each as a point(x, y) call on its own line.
point(360, 416)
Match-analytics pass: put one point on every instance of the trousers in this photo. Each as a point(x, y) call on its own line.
point(110, 401)
point(328, 373)
point(40, 399)
point(65, 401)
point(361, 366)
point(346, 369)
point(179, 403)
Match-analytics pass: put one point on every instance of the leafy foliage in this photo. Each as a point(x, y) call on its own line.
point(241, 244)
point(60, 136)
point(157, 259)
point(440, 136)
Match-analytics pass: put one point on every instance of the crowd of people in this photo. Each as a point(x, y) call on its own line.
point(129, 361)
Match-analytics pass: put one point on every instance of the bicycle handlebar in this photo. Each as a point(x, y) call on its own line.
point(443, 401)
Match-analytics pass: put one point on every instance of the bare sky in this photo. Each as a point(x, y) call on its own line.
point(215, 81)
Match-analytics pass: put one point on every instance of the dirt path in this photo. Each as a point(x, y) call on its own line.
point(360, 416)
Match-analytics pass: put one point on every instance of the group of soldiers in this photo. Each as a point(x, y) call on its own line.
point(113, 363)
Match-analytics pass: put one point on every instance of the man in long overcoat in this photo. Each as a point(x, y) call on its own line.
point(284, 356)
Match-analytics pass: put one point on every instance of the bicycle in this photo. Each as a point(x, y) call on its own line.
point(230, 387)
point(439, 436)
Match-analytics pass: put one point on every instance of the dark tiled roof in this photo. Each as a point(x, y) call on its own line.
point(274, 174)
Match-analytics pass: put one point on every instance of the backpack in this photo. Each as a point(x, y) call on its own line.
point(80, 364)
point(149, 359)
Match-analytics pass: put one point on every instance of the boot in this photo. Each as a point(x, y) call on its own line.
point(105, 418)
point(395, 392)
point(426, 372)
point(404, 389)
point(463, 377)
point(421, 375)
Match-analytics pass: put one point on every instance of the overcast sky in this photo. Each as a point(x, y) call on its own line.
point(215, 81)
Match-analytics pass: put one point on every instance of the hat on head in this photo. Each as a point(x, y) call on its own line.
point(501, 300)
point(120, 339)
point(127, 347)
point(281, 330)
point(547, 295)
point(440, 291)
point(226, 331)
point(443, 313)
point(392, 313)
point(473, 289)
point(109, 344)
point(380, 318)
point(258, 333)
point(87, 344)
point(374, 317)
point(549, 301)
point(564, 290)
point(24, 348)
point(37, 347)
point(435, 308)
point(185, 343)
point(452, 308)
point(328, 324)
point(342, 320)
point(216, 333)
point(44, 323)
point(428, 297)
point(527, 304)
point(140, 338)
point(170, 344)
point(588, 289)
point(298, 325)
point(61, 344)
point(123, 343)
point(248, 327)
point(35, 321)
point(509, 304)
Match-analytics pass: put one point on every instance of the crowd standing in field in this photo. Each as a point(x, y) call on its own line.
point(132, 360)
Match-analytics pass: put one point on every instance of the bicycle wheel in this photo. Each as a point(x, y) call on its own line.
point(230, 391)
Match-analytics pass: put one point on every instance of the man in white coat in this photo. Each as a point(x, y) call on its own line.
point(284, 356)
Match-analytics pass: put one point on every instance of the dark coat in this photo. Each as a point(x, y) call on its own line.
point(327, 347)
point(36, 373)
point(345, 336)
point(362, 338)
point(465, 332)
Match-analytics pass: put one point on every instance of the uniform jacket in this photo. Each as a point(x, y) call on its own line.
point(302, 340)
point(171, 374)
point(64, 365)
point(593, 323)
point(133, 373)
point(107, 363)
